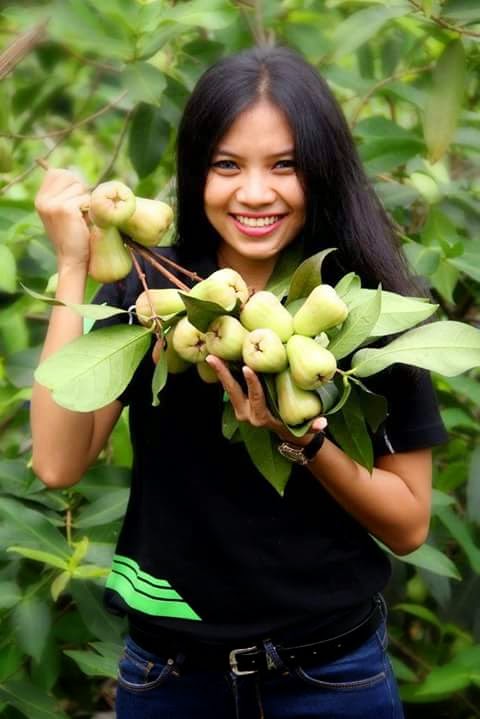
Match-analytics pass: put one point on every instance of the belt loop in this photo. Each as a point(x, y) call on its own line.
point(272, 657)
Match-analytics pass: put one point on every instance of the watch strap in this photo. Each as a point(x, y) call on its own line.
point(315, 444)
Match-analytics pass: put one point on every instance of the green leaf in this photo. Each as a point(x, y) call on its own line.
point(427, 557)
point(104, 510)
point(30, 700)
point(8, 275)
point(90, 571)
point(398, 313)
point(473, 487)
point(59, 584)
point(159, 378)
point(359, 27)
point(208, 14)
point(374, 406)
point(417, 610)
point(94, 370)
point(445, 347)
point(28, 525)
point(89, 600)
point(145, 83)
point(307, 276)
point(349, 429)
point(461, 532)
point(10, 595)
point(358, 326)
point(37, 555)
point(445, 100)
point(284, 268)
point(201, 313)
point(31, 619)
point(93, 664)
point(401, 670)
point(92, 312)
point(332, 398)
point(347, 287)
point(262, 450)
point(148, 138)
point(229, 421)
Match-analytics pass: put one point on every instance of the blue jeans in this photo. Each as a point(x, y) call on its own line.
point(360, 685)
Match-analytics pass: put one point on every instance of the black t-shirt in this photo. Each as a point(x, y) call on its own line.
point(208, 549)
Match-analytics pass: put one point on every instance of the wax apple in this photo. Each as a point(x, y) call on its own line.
point(225, 338)
point(109, 258)
point(149, 222)
point(165, 302)
point(224, 287)
point(311, 364)
point(295, 405)
point(189, 342)
point(322, 310)
point(264, 310)
point(263, 351)
point(111, 203)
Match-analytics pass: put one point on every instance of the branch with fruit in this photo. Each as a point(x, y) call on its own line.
point(294, 334)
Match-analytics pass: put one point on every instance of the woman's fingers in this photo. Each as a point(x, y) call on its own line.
point(231, 387)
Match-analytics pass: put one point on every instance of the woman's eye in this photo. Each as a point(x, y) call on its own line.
point(285, 164)
point(225, 164)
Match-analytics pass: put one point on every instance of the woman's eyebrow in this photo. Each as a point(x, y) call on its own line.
point(226, 151)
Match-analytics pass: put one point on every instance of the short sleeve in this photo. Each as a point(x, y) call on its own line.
point(414, 420)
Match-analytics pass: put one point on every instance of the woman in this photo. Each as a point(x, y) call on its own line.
point(242, 603)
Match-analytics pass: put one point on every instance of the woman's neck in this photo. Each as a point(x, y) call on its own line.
point(256, 273)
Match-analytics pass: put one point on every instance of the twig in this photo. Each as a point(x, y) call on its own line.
point(20, 47)
point(141, 275)
point(66, 132)
point(182, 270)
point(444, 23)
point(120, 140)
point(70, 128)
point(382, 83)
point(153, 260)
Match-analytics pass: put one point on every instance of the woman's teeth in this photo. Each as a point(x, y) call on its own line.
point(260, 222)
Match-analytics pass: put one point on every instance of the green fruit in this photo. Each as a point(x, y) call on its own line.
point(263, 351)
point(175, 363)
point(224, 287)
point(322, 310)
point(295, 405)
point(164, 302)
point(311, 364)
point(149, 222)
point(109, 258)
point(189, 342)
point(207, 373)
point(111, 203)
point(225, 338)
point(264, 310)
point(417, 590)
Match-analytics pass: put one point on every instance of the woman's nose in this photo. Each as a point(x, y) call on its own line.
point(255, 190)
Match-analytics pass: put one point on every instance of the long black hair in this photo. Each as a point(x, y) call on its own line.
point(342, 209)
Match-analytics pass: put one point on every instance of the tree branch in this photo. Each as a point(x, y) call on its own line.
point(444, 23)
point(21, 47)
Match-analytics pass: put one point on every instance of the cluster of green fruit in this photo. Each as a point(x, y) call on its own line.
point(114, 209)
point(264, 334)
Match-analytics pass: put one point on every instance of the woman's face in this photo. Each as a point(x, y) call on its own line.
point(253, 196)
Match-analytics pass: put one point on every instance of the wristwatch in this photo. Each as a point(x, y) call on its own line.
point(302, 455)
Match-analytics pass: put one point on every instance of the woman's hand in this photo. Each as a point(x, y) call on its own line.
point(59, 203)
point(252, 407)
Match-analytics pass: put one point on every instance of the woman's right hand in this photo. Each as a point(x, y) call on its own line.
point(59, 202)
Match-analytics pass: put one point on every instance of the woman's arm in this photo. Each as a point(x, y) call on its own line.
point(65, 443)
point(393, 502)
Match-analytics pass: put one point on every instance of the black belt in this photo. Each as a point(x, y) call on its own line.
point(249, 660)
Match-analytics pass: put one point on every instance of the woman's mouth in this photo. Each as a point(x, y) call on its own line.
point(257, 226)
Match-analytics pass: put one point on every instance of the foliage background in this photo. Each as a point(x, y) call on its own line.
point(99, 88)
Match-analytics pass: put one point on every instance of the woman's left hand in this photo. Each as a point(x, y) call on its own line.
point(252, 407)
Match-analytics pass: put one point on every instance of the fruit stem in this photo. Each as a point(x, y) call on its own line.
point(141, 275)
point(182, 270)
point(153, 260)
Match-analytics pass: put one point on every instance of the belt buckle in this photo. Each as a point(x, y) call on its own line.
point(232, 658)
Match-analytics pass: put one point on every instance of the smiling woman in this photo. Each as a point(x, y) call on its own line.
point(240, 602)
